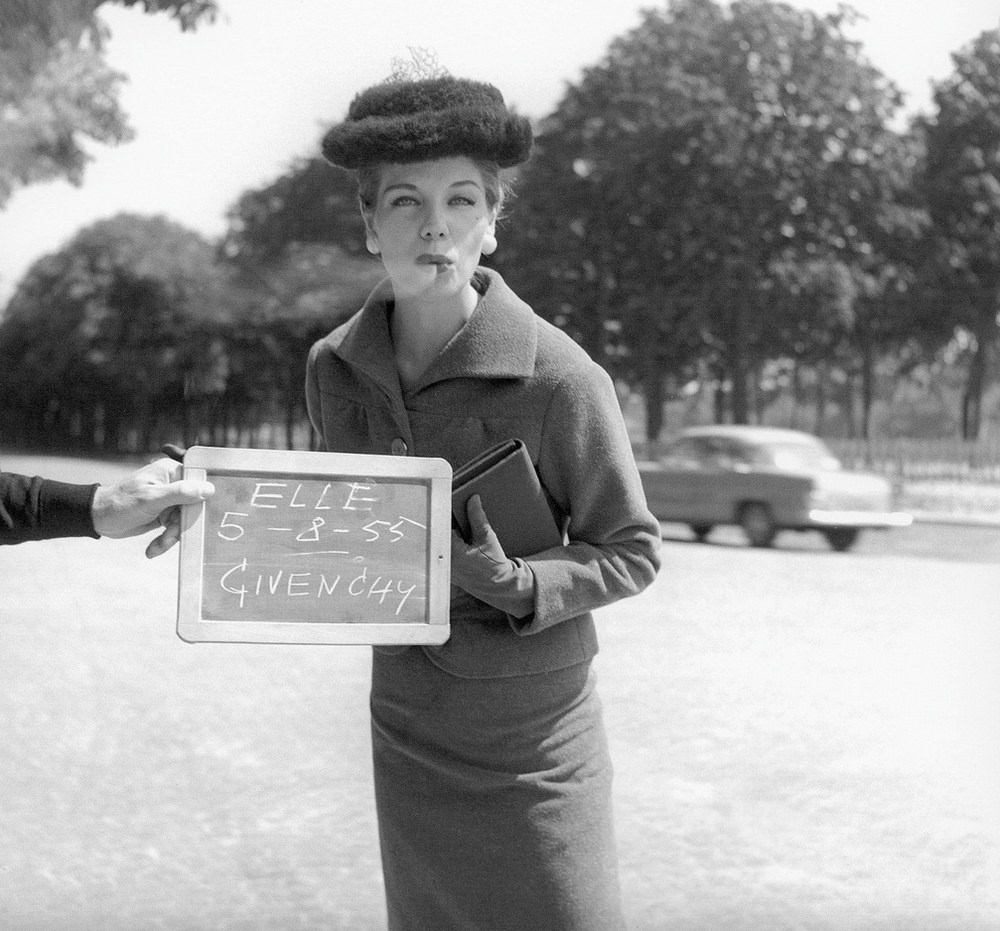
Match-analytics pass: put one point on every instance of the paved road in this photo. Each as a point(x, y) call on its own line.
point(931, 538)
point(802, 739)
point(810, 740)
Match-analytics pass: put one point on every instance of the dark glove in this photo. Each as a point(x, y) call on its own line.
point(173, 451)
point(481, 568)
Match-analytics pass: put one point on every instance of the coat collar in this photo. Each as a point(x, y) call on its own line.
point(499, 341)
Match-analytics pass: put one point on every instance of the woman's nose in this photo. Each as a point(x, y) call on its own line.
point(434, 226)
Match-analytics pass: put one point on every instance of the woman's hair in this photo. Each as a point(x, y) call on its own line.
point(497, 186)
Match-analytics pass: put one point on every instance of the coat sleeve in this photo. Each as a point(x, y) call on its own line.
point(312, 394)
point(586, 463)
point(42, 509)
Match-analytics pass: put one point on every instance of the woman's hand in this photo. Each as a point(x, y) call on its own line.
point(481, 568)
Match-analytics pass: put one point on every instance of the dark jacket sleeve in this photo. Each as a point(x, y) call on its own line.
point(586, 463)
point(41, 509)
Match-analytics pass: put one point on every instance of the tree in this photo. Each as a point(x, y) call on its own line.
point(962, 188)
point(106, 342)
point(56, 89)
point(297, 245)
point(710, 148)
point(313, 202)
point(281, 307)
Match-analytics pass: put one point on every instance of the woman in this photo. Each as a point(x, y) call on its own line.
point(492, 776)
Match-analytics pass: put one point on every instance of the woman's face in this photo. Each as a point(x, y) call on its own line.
point(429, 223)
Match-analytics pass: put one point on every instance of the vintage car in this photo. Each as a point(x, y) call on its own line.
point(765, 480)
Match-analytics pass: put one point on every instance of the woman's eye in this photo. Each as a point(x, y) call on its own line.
point(463, 201)
point(404, 201)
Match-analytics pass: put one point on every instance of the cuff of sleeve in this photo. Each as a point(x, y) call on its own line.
point(513, 592)
point(519, 603)
point(66, 510)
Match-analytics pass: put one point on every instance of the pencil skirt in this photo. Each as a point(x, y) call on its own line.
point(493, 799)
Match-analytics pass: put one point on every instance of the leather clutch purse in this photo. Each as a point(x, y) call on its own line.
point(512, 496)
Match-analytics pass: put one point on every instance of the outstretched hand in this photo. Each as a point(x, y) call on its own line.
point(148, 499)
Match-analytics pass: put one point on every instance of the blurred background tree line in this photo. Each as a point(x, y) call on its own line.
point(722, 211)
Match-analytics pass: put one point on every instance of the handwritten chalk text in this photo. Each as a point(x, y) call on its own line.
point(244, 582)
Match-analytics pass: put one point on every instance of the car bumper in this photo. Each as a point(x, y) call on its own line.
point(819, 517)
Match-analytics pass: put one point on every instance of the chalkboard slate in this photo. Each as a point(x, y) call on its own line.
point(309, 547)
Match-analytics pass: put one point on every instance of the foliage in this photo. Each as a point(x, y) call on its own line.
point(718, 210)
point(297, 248)
point(962, 188)
point(112, 331)
point(312, 203)
point(285, 305)
point(56, 89)
point(687, 176)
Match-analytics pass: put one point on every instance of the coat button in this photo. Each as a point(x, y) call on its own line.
point(398, 446)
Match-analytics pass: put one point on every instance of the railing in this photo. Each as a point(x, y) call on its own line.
point(949, 477)
point(954, 460)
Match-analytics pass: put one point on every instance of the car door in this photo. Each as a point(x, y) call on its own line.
point(687, 483)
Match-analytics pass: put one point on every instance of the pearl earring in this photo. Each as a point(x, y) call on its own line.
point(371, 245)
point(489, 244)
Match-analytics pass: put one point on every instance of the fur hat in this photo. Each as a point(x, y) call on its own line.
point(412, 121)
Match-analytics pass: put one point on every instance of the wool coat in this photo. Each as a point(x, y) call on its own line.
point(506, 374)
point(491, 767)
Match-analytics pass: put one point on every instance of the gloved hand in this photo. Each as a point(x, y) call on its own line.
point(481, 568)
point(174, 451)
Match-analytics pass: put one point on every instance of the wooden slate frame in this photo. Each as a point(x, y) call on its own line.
point(203, 614)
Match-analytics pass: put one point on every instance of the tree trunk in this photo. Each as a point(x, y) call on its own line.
point(756, 396)
point(820, 398)
point(985, 336)
point(719, 405)
point(793, 420)
point(738, 362)
point(738, 404)
point(654, 395)
point(850, 408)
point(972, 397)
point(867, 391)
point(738, 375)
point(291, 411)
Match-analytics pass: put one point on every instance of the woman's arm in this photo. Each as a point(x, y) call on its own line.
point(586, 463)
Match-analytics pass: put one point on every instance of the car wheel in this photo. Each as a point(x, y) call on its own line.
point(701, 531)
point(842, 538)
point(758, 524)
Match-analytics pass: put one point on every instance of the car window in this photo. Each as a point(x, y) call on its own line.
point(795, 454)
point(688, 452)
point(723, 453)
point(734, 453)
point(702, 452)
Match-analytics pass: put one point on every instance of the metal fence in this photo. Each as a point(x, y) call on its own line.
point(954, 460)
point(950, 477)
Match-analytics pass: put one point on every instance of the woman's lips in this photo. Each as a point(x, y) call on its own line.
point(431, 259)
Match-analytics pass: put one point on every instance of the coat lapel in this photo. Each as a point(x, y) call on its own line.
point(364, 341)
point(499, 341)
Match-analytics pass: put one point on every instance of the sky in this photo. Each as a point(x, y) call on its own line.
point(231, 106)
